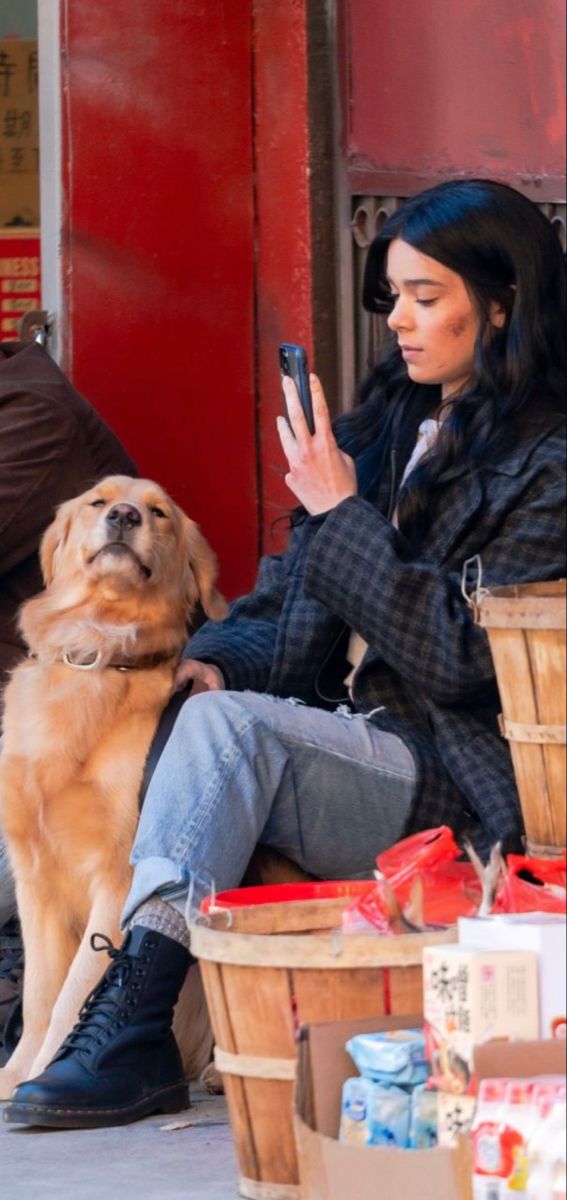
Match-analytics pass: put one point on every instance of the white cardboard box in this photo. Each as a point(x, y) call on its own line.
point(545, 935)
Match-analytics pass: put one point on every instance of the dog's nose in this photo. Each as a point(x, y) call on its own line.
point(123, 516)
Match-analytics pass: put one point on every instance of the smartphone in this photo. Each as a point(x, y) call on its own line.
point(293, 362)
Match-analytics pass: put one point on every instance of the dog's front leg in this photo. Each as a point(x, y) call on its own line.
point(49, 948)
point(85, 971)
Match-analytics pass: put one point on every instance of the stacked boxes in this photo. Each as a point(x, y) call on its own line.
point(471, 997)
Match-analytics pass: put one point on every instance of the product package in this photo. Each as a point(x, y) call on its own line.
point(455, 1115)
point(488, 1169)
point(546, 1146)
point(545, 935)
point(389, 1104)
point(394, 1057)
point(424, 1128)
point(373, 1115)
point(472, 997)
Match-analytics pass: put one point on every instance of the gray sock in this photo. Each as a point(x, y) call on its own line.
point(162, 917)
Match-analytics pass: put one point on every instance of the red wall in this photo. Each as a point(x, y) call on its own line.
point(438, 88)
point(283, 279)
point(158, 249)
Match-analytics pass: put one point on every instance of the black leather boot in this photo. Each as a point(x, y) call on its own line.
point(121, 1061)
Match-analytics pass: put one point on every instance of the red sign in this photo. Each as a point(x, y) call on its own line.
point(20, 282)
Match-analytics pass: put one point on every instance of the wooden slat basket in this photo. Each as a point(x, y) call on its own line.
point(526, 626)
point(272, 968)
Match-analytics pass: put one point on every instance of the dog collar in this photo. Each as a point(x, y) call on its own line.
point(144, 663)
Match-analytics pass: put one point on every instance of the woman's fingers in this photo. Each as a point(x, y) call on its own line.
point(321, 415)
point(296, 415)
point(204, 676)
point(320, 474)
point(287, 439)
point(185, 671)
point(295, 412)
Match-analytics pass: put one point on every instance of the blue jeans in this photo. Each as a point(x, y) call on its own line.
point(327, 789)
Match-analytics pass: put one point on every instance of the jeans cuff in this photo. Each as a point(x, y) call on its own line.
point(152, 875)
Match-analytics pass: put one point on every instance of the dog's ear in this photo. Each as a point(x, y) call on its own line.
point(203, 573)
point(54, 540)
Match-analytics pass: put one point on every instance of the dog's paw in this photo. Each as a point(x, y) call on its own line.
point(9, 1080)
point(211, 1080)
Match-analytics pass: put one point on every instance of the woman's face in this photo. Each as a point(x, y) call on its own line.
point(433, 318)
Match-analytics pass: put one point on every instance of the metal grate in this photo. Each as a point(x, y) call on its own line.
point(369, 214)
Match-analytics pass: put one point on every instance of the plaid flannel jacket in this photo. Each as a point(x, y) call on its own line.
point(428, 674)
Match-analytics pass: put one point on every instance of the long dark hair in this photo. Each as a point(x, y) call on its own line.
point(506, 251)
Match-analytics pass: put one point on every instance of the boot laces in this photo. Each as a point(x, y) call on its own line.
point(101, 1013)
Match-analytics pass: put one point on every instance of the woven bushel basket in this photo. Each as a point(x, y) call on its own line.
point(526, 626)
point(273, 967)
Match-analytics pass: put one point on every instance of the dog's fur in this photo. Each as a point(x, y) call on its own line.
point(75, 740)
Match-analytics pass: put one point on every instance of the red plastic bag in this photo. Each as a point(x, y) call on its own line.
point(423, 886)
point(545, 891)
point(446, 889)
point(453, 890)
point(549, 870)
point(423, 852)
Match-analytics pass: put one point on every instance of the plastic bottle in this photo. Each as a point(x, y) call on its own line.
point(559, 1191)
point(546, 1098)
point(559, 1151)
point(517, 1127)
point(488, 1167)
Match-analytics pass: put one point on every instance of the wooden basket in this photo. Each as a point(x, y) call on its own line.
point(274, 967)
point(526, 629)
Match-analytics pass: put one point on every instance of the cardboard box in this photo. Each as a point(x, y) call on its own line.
point(472, 997)
point(330, 1171)
point(544, 934)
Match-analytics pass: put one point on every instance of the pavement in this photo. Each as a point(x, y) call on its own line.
point(189, 1156)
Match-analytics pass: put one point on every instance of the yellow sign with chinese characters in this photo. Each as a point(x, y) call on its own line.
point(19, 134)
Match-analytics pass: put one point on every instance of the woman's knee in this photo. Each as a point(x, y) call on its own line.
point(212, 713)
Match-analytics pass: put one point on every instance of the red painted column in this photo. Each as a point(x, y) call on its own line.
point(158, 249)
point(283, 225)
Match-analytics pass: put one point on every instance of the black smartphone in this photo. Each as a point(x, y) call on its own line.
point(293, 362)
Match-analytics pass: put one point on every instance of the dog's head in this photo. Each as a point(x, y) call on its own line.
point(126, 537)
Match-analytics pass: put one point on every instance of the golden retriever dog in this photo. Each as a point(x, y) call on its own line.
point(124, 569)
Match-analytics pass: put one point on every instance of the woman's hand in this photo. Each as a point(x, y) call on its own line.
point(320, 475)
point(205, 677)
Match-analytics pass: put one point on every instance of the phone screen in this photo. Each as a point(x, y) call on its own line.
point(293, 362)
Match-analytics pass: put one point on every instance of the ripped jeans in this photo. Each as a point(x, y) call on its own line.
point(327, 789)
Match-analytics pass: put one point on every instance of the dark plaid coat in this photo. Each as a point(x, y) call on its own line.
point(428, 674)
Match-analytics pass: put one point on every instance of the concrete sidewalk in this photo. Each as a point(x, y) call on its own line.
point(144, 1161)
